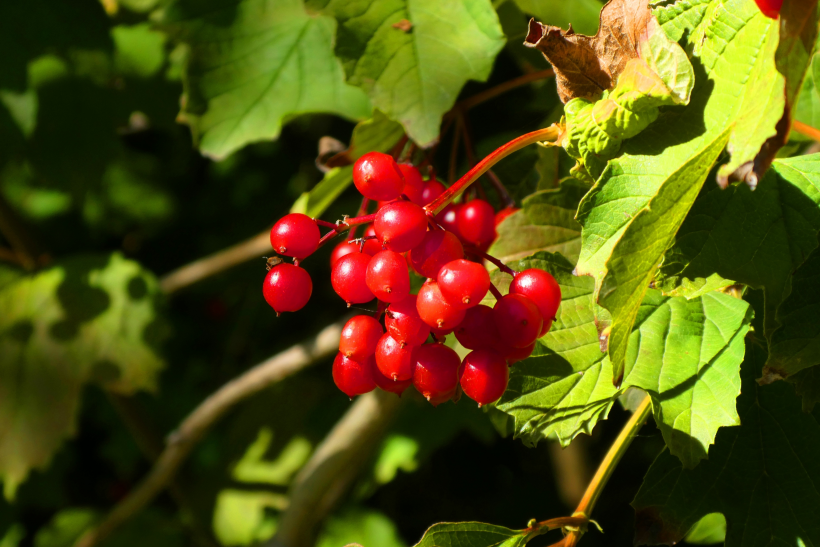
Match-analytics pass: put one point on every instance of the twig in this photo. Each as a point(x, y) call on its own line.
point(193, 428)
point(334, 465)
point(493, 92)
point(806, 130)
point(216, 263)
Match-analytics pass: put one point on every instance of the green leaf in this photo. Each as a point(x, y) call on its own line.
point(253, 65)
point(807, 385)
point(414, 76)
point(88, 319)
point(807, 108)
point(798, 33)
point(795, 344)
point(762, 475)
point(360, 526)
point(471, 534)
point(581, 14)
point(709, 530)
point(641, 198)
point(720, 237)
point(680, 17)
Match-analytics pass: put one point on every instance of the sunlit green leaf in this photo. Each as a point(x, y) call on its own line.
point(472, 534)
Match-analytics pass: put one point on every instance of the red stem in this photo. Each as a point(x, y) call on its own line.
point(493, 260)
point(326, 224)
point(548, 134)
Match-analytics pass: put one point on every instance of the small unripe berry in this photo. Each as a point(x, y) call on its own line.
point(353, 377)
point(295, 235)
point(287, 288)
point(348, 278)
point(360, 337)
point(400, 225)
point(484, 376)
point(377, 177)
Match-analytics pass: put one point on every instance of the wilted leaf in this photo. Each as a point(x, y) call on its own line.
point(253, 65)
point(414, 77)
point(89, 319)
point(761, 475)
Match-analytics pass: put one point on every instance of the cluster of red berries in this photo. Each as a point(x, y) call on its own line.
point(402, 235)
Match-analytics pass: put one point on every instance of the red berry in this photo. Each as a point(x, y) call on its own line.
point(342, 249)
point(484, 376)
point(295, 235)
point(435, 310)
point(540, 287)
point(463, 283)
point(476, 222)
point(404, 324)
point(386, 384)
point(448, 219)
point(377, 177)
point(360, 337)
point(395, 360)
point(432, 190)
point(477, 330)
point(353, 377)
point(413, 183)
point(371, 246)
point(518, 320)
point(513, 355)
point(439, 334)
point(436, 249)
point(387, 276)
point(401, 225)
point(504, 213)
point(287, 287)
point(349, 278)
point(545, 328)
point(436, 372)
point(770, 8)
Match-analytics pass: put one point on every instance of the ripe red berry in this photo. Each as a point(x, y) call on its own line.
point(401, 225)
point(413, 183)
point(395, 360)
point(770, 8)
point(504, 213)
point(295, 235)
point(513, 355)
point(435, 310)
point(386, 384)
point(476, 222)
point(518, 320)
point(540, 287)
point(432, 190)
point(439, 334)
point(342, 249)
point(436, 372)
point(349, 278)
point(377, 177)
point(484, 376)
point(371, 246)
point(448, 219)
point(477, 330)
point(387, 276)
point(353, 377)
point(463, 283)
point(287, 287)
point(404, 324)
point(436, 249)
point(545, 328)
point(360, 337)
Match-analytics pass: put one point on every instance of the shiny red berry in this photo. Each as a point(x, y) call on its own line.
point(436, 373)
point(295, 235)
point(353, 377)
point(413, 183)
point(463, 283)
point(349, 278)
point(477, 330)
point(448, 219)
point(377, 176)
point(387, 276)
point(287, 288)
point(484, 376)
point(400, 225)
point(395, 360)
point(372, 245)
point(513, 355)
point(432, 190)
point(540, 287)
point(393, 386)
point(436, 249)
point(770, 8)
point(476, 222)
point(518, 320)
point(360, 337)
point(404, 324)
point(435, 310)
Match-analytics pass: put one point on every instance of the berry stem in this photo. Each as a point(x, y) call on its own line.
point(326, 224)
point(496, 293)
point(493, 260)
point(551, 133)
point(355, 221)
point(380, 307)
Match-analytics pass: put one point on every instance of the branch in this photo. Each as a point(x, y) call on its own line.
point(193, 428)
point(806, 130)
point(493, 92)
point(216, 263)
point(333, 467)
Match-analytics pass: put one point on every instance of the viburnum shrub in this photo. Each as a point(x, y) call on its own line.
point(412, 239)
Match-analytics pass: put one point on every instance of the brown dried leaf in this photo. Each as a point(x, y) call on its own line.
point(585, 66)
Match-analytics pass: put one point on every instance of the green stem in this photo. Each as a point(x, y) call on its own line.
point(548, 134)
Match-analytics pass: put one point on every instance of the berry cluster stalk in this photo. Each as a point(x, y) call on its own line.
point(551, 133)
